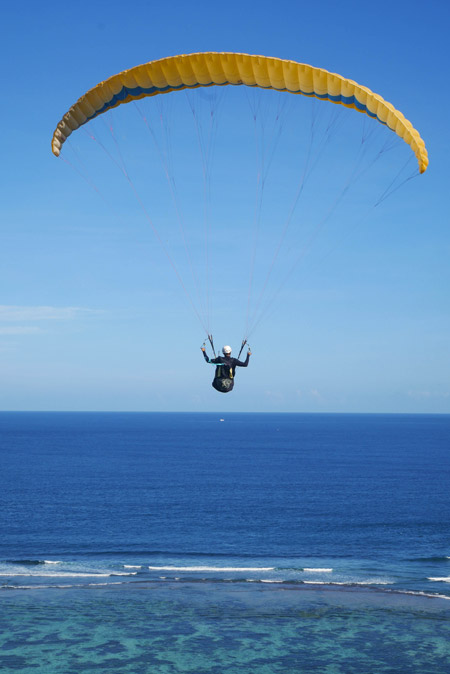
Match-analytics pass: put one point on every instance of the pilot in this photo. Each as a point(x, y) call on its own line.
point(226, 368)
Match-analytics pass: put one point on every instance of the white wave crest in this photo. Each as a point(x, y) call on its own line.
point(212, 569)
point(67, 574)
point(423, 594)
point(132, 566)
point(445, 579)
point(312, 570)
point(61, 575)
point(54, 586)
point(128, 573)
point(321, 582)
point(50, 561)
point(366, 583)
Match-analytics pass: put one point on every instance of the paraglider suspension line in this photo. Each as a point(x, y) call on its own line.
point(211, 341)
point(244, 342)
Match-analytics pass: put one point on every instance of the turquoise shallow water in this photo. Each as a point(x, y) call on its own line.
point(165, 628)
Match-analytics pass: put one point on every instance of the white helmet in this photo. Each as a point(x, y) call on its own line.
point(226, 350)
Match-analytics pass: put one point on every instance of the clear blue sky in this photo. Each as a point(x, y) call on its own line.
point(91, 316)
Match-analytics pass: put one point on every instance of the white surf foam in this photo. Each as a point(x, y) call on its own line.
point(366, 583)
point(423, 594)
point(128, 573)
point(212, 569)
point(60, 575)
point(321, 582)
point(54, 586)
point(312, 570)
point(445, 579)
point(132, 566)
point(67, 574)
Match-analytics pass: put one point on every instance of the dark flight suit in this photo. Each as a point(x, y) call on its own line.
point(225, 371)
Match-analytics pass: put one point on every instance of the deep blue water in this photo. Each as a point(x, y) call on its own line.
point(332, 515)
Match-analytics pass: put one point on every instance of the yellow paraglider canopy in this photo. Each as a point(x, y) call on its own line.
point(189, 71)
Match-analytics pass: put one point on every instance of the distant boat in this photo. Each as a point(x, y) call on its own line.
point(222, 419)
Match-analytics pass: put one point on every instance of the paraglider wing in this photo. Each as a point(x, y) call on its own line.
point(190, 71)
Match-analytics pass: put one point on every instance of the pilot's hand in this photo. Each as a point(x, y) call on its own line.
point(249, 352)
point(203, 349)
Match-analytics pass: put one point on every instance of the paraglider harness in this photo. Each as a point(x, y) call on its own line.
point(223, 378)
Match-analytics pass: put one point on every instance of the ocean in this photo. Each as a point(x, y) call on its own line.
point(252, 543)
